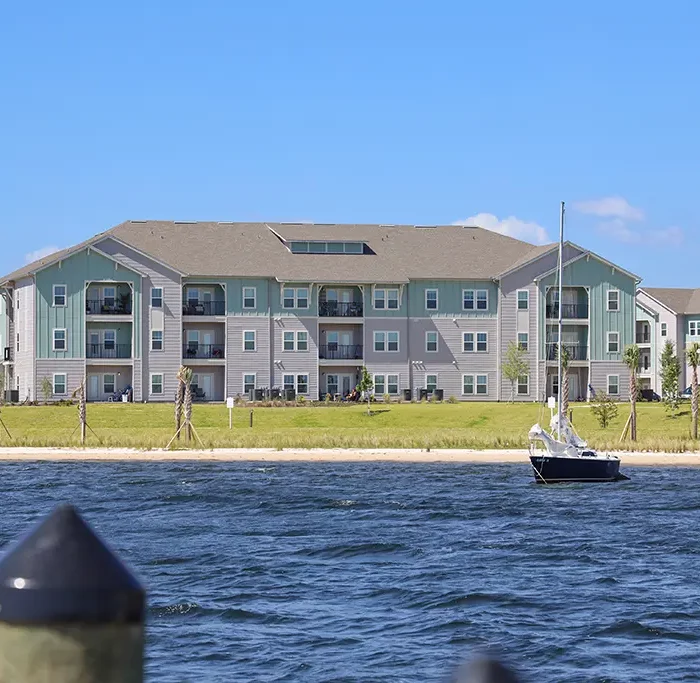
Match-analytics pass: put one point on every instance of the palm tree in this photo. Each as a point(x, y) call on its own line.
point(179, 397)
point(693, 355)
point(187, 380)
point(565, 358)
point(631, 359)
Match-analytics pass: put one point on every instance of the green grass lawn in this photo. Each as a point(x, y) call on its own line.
point(406, 425)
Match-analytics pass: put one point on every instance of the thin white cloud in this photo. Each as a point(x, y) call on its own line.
point(40, 253)
point(511, 226)
point(618, 230)
point(610, 207)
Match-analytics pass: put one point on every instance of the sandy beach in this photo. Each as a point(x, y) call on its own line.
point(321, 455)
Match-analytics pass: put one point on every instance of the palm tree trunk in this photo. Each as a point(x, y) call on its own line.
point(188, 411)
point(633, 405)
point(178, 408)
point(694, 402)
point(82, 412)
point(565, 392)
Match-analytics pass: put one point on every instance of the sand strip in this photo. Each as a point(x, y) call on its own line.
point(321, 455)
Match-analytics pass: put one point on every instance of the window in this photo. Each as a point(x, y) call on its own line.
point(392, 341)
point(302, 384)
point(18, 301)
point(109, 294)
point(192, 296)
point(326, 247)
point(613, 385)
point(431, 383)
point(467, 384)
point(302, 341)
point(331, 384)
point(157, 384)
point(156, 297)
point(249, 297)
point(59, 340)
point(482, 300)
point(59, 295)
point(468, 299)
point(107, 384)
point(379, 385)
point(523, 385)
point(431, 342)
point(613, 300)
point(380, 341)
point(303, 297)
point(295, 298)
point(523, 300)
point(248, 383)
point(482, 342)
point(288, 298)
point(431, 299)
point(59, 384)
point(693, 328)
point(18, 342)
point(482, 384)
point(664, 329)
point(523, 340)
point(249, 340)
point(468, 342)
point(288, 382)
point(156, 340)
point(386, 299)
point(288, 341)
point(613, 342)
point(392, 384)
point(110, 340)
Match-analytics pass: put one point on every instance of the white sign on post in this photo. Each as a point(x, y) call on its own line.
point(552, 402)
point(229, 405)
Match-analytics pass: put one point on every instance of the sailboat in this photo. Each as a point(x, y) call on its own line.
point(562, 456)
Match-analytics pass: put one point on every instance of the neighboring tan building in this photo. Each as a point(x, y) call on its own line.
point(666, 314)
point(303, 307)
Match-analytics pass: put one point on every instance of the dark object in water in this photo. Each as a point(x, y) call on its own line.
point(553, 469)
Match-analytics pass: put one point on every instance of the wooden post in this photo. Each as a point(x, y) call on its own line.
point(70, 610)
point(571, 417)
point(251, 419)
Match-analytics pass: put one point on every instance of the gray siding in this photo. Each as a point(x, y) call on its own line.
point(389, 368)
point(137, 381)
point(296, 362)
point(73, 368)
point(240, 362)
point(123, 375)
point(599, 376)
point(399, 325)
point(24, 326)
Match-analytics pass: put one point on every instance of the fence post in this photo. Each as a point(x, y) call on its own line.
point(251, 418)
point(70, 611)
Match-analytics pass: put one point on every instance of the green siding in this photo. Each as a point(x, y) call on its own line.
point(234, 296)
point(3, 326)
point(123, 331)
point(74, 272)
point(275, 290)
point(449, 297)
point(599, 278)
point(688, 338)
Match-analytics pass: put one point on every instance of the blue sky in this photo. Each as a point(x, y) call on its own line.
point(391, 112)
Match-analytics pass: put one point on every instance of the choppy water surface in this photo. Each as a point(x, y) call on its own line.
point(390, 572)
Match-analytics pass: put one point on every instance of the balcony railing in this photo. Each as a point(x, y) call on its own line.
point(643, 337)
point(204, 308)
point(340, 351)
point(644, 368)
point(575, 351)
point(568, 311)
point(203, 351)
point(339, 309)
point(107, 307)
point(108, 351)
point(7, 353)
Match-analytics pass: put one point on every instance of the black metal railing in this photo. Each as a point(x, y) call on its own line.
point(340, 309)
point(643, 337)
point(340, 351)
point(7, 353)
point(203, 351)
point(108, 306)
point(108, 351)
point(575, 351)
point(644, 365)
point(568, 311)
point(204, 308)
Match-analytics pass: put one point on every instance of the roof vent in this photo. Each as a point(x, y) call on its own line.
point(138, 221)
point(225, 223)
point(185, 222)
point(425, 226)
point(387, 225)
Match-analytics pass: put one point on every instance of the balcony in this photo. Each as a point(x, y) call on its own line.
point(203, 307)
point(340, 309)
point(340, 352)
point(643, 337)
point(575, 351)
point(108, 351)
point(120, 306)
point(568, 311)
point(203, 351)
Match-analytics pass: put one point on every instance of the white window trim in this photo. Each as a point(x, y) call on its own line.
point(161, 298)
point(308, 383)
point(386, 291)
point(284, 332)
point(517, 300)
point(437, 341)
point(476, 342)
point(65, 297)
point(296, 341)
point(255, 298)
point(431, 374)
point(162, 384)
point(243, 382)
point(664, 329)
point(696, 327)
point(517, 386)
point(607, 301)
point(65, 339)
point(607, 385)
point(398, 380)
point(104, 337)
point(476, 299)
point(473, 392)
point(464, 336)
point(609, 337)
point(162, 341)
point(255, 343)
point(374, 381)
point(476, 384)
point(437, 299)
point(65, 384)
point(398, 341)
point(473, 291)
point(517, 341)
point(113, 374)
point(296, 299)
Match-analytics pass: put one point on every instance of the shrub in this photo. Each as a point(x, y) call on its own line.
point(604, 409)
point(386, 398)
point(452, 399)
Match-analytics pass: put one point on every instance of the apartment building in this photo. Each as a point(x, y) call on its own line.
point(665, 314)
point(306, 306)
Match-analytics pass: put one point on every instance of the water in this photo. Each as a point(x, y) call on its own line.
point(389, 572)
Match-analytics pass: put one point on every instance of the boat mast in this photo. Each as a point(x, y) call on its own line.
point(560, 350)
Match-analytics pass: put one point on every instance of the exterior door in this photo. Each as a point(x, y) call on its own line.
point(345, 345)
point(346, 384)
point(573, 387)
point(207, 386)
point(94, 345)
point(346, 296)
point(208, 342)
point(332, 384)
point(93, 388)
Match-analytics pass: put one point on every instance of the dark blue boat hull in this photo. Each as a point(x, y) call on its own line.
point(550, 469)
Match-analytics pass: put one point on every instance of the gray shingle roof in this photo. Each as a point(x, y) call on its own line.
point(680, 301)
